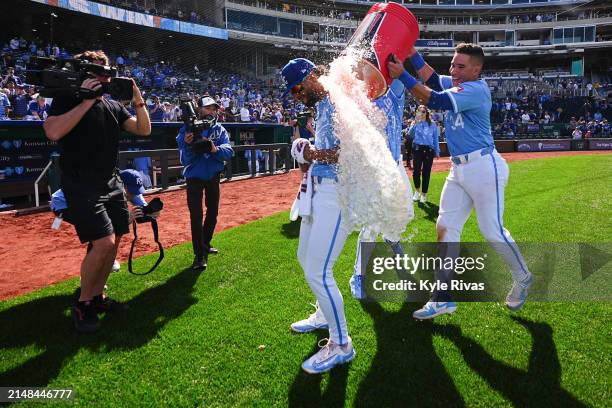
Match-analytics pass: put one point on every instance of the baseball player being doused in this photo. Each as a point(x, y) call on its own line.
point(322, 232)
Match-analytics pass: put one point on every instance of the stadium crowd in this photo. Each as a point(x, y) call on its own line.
point(242, 99)
point(163, 83)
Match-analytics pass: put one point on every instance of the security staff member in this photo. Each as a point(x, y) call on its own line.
point(88, 132)
point(203, 167)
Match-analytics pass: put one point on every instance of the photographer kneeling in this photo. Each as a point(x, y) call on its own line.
point(204, 159)
point(87, 128)
point(134, 190)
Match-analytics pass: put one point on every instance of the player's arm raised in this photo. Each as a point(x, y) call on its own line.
point(425, 72)
point(424, 94)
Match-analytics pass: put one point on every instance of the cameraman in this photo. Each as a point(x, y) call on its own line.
point(304, 126)
point(88, 131)
point(203, 157)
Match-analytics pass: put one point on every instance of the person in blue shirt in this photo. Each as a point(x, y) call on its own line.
point(425, 141)
point(5, 105)
point(20, 102)
point(133, 189)
point(478, 175)
point(258, 158)
point(39, 108)
point(322, 232)
point(204, 158)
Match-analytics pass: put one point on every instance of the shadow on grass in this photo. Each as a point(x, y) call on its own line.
point(431, 211)
point(291, 229)
point(46, 324)
point(406, 371)
point(539, 386)
point(306, 388)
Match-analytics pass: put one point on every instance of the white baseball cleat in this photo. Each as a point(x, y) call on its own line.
point(330, 355)
point(314, 322)
point(433, 309)
point(423, 198)
point(416, 196)
point(116, 266)
point(518, 293)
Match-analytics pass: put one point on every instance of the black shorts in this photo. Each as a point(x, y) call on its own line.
point(96, 208)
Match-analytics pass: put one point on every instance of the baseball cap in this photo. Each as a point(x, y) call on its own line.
point(295, 72)
point(207, 101)
point(133, 184)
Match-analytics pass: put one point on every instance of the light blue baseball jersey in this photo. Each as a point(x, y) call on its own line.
point(325, 137)
point(468, 126)
point(426, 134)
point(392, 104)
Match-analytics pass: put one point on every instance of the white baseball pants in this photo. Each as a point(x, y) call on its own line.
point(322, 237)
point(480, 184)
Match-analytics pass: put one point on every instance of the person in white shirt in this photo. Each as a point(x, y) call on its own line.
point(225, 101)
point(577, 134)
point(245, 115)
point(525, 117)
point(278, 115)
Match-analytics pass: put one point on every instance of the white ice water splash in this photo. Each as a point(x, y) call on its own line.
point(371, 191)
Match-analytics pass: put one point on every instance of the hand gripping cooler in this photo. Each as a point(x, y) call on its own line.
point(388, 28)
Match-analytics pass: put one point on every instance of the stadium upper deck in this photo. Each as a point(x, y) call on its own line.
point(573, 35)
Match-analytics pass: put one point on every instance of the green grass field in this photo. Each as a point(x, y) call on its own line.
point(193, 339)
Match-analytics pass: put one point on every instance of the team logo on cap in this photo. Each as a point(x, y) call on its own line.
point(283, 82)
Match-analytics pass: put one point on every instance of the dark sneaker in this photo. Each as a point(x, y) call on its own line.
point(105, 304)
point(199, 264)
point(213, 250)
point(85, 317)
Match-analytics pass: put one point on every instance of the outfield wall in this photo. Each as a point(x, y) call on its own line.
point(25, 151)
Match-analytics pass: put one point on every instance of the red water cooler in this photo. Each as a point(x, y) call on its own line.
point(388, 28)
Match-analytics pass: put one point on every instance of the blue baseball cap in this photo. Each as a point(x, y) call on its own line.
point(295, 72)
point(132, 181)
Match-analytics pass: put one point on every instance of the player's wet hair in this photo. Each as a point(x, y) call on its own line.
point(473, 50)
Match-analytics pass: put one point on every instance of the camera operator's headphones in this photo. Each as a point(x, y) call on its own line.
point(155, 205)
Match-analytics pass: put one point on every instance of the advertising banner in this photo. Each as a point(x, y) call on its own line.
point(434, 43)
point(599, 144)
point(133, 17)
point(542, 145)
point(24, 158)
